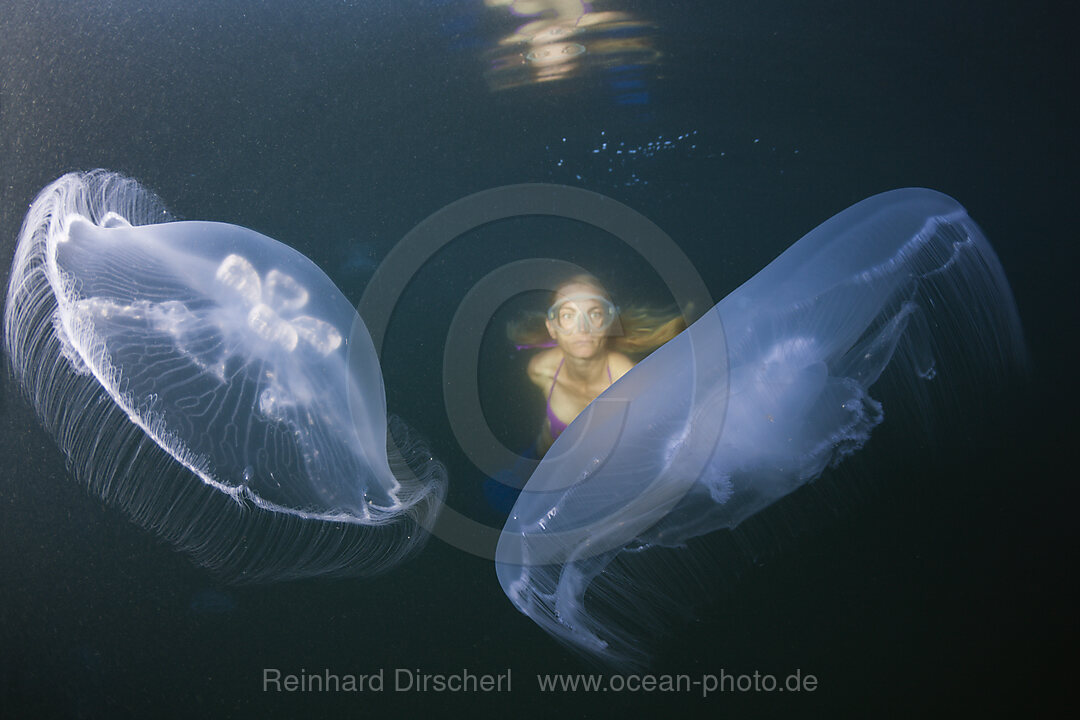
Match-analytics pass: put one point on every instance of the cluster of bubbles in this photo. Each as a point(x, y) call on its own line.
point(610, 162)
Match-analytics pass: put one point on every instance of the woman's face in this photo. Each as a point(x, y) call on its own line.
point(580, 318)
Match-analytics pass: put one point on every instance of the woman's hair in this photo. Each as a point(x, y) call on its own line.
point(636, 331)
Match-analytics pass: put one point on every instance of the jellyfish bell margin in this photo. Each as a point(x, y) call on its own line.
point(197, 377)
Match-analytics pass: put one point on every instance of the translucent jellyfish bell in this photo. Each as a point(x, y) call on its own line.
point(213, 384)
point(754, 400)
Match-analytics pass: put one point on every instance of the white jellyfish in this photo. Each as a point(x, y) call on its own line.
point(213, 384)
point(753, 401)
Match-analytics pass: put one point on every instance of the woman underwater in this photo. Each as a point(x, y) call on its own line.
point(589, 344)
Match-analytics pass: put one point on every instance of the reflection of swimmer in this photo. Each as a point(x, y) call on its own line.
point(589, 345)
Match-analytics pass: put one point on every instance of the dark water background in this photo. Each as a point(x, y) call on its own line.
point(932, 579)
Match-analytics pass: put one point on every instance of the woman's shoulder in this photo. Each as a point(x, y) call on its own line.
point(619, 364)
point(542, 366)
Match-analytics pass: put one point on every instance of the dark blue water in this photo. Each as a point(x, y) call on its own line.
point(927, 577)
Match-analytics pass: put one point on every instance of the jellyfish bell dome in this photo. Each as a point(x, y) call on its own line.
point(213, 384)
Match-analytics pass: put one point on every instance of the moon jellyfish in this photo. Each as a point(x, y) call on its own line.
point(213, 384)
point(754, 400)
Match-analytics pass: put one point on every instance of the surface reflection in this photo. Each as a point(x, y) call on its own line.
point(566, 39)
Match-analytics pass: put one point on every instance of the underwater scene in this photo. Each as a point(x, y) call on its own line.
point(535, 356)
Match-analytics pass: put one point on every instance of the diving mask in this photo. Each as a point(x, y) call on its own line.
point(582, 312)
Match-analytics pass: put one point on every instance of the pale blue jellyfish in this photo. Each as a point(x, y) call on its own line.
point(213, 384)
point(754, 400)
